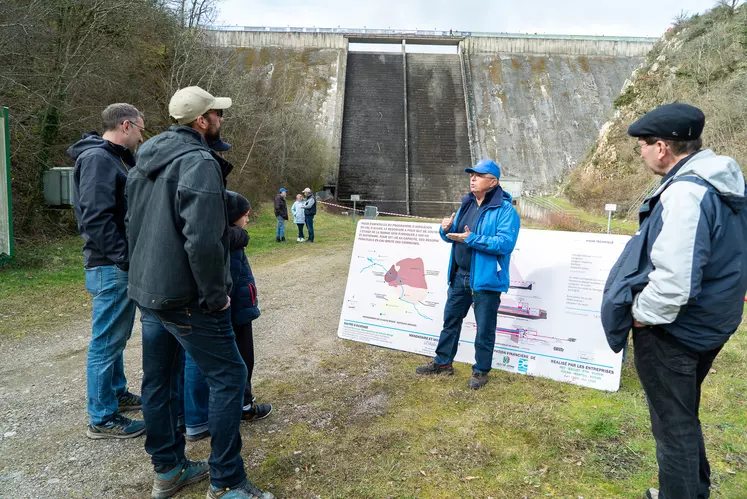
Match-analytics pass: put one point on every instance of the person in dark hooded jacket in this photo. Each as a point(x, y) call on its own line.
point(101, 167)
point(679, 284)
point(180, 277)
point(244, 308)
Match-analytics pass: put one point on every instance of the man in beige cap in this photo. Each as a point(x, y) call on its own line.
point(180, 277)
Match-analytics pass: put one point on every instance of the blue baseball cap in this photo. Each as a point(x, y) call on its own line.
point(282, 189)
point(486, 166)
point(219, 145)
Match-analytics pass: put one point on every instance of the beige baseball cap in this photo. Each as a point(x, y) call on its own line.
point(307, 190)
point(187, 104)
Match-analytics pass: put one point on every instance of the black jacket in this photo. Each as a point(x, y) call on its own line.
point(99, 200)
point(244, 304)
point(177, 225)
point(281, 207)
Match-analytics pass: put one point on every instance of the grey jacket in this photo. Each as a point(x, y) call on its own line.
point(685, 270)
point(177, 224)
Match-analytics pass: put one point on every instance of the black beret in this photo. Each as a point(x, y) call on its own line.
point(236, 206)
point(671, 122)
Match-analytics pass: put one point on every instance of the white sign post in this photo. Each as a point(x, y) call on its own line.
point(548, 322)
point(609, 208)
point(354, 198)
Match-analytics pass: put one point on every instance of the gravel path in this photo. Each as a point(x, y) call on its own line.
point(44, 452)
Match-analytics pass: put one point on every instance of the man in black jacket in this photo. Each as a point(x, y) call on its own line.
point(180, 276)
point(281, 213)
point(101, 166)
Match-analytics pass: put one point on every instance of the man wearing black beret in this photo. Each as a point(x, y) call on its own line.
point(679, 284)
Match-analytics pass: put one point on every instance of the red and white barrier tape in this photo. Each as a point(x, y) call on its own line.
point(379, 212)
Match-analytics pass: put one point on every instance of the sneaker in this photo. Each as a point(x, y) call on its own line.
point(197, 436)
point(298, 239)
point(245, 490)
point(652, 493)
point(129, 402)
point(167, 484)
point(256, 412)
point(477, 381)
point(117, 427)
point(432, 368)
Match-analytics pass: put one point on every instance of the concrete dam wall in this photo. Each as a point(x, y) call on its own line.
point(401, 128)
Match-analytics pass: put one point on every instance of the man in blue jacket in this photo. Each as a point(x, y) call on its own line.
point(101, 167)
point(483, 234)
point(679, 284)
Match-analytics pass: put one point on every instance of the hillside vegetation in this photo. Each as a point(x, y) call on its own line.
point(700, 61)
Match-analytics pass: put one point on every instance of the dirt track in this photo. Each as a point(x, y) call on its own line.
point(44, 452)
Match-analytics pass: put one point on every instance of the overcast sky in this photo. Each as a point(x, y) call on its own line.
point(576, 17)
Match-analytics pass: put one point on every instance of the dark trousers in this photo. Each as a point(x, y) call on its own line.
point(460, 298)
point(671, 375)
point(310, 226)
point(300, 230)
point(210, 342)
point(245, 342)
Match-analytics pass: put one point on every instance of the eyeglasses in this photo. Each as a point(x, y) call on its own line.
point(141, 128)
point(637, 148)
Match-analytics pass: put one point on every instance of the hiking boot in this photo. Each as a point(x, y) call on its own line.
point(197, 436)
point(117, 427)
point(477, 381)
point(432, 368)
point(256, 412)
point(245, 490)
point(167, 484)
point(652, 493)
point(129, 402)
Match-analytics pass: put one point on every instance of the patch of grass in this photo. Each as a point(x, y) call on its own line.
point(361, 424)
point(618, 226)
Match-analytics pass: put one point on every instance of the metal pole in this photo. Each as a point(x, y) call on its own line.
point(609, 221)
point(353, 212)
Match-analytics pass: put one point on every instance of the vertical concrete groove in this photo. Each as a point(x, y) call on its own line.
point(407, 151)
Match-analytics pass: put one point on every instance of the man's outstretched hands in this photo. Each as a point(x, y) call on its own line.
point(446, 222)
point(459, 237)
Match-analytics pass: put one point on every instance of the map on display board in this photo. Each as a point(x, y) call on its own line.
point(548, 321)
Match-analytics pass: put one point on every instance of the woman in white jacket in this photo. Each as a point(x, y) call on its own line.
point(299, 217)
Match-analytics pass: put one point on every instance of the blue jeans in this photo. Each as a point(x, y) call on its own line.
point(196, 398)
point(280, 231)
point(209, 340)
point(460, 298)
point(671, 375)
point(310, 227)
point(112, 319)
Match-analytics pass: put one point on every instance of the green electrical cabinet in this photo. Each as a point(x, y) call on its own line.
point(6, 206)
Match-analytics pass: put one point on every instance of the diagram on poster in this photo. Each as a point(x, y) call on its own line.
point(547, 325)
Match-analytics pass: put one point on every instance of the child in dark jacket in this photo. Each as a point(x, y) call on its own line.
point(244, 306)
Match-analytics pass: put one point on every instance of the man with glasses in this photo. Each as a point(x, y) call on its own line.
point(101, 167)
point(679, 284)
point(180, 277)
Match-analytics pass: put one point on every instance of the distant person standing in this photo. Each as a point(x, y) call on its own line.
point(281, 213)
point(299, 216)
point(101, 167)
point(483, 234)
point(309, 208)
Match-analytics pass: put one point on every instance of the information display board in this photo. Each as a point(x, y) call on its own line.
point(548, 321)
